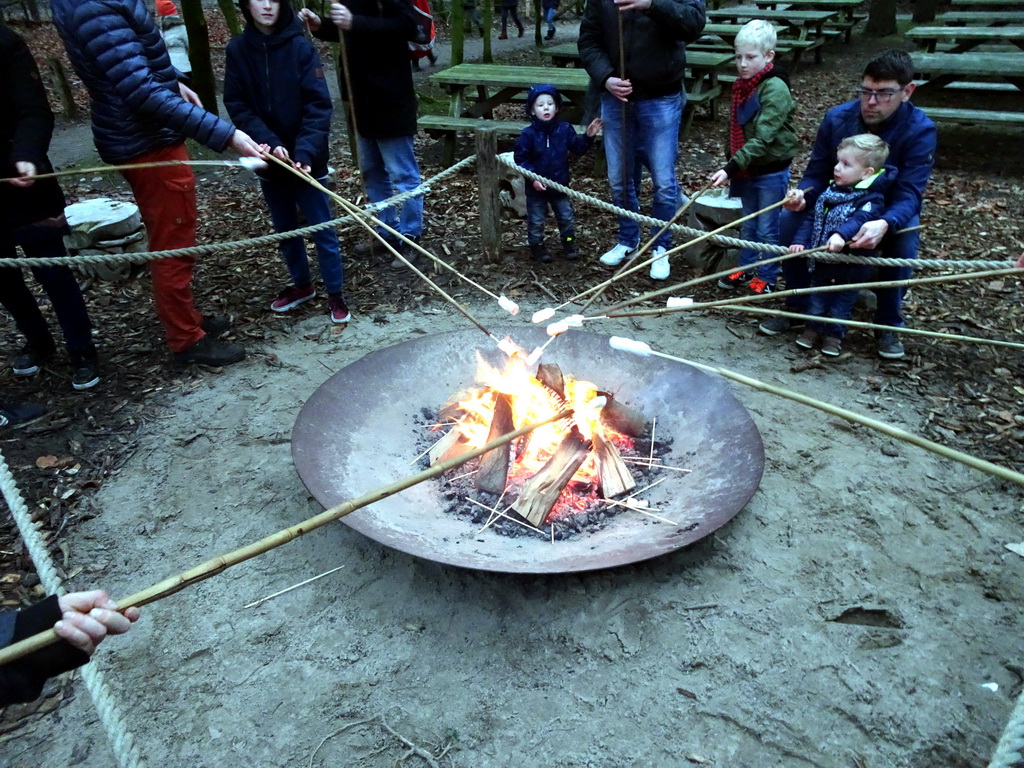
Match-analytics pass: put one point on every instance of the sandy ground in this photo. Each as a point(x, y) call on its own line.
point(852, 611)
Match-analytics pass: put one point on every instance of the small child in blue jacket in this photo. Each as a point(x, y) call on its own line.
point(855, 195)
point(543, 147)
point(275, 90)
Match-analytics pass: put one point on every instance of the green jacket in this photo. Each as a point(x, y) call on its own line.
point(767, 120)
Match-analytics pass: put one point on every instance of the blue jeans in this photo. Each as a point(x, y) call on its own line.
point(537, 211)
point(285, 198)
point(902, 245)
point(759, 192)
point(549, 17)
point(651, 128)
point(390, 168)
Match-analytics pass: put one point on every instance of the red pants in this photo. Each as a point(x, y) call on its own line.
point(166, 197)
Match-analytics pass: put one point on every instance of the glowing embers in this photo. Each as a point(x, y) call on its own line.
point(562, 476)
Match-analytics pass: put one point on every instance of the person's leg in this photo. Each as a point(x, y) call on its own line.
point(619, 152)
point(316, 207)
point(61, 286)
point(378, 183)
point(549, 16)
point(282, 198)
point(746, 191)
point(770, 189)
point(519, 24)
point(795, 270)
point(166, 197)
point(658, 134)
point(890, 300)
point(504, 22)
point(399, 158)
point(840, 308)
point(17, 299)
point(536, 213)
point(562, 208)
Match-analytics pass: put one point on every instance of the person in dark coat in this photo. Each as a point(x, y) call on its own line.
point(382, 103)
point(32, 216)
point(142, 114)
point(510, 8)
point(81, 619)
point(543, 147)
point(275, 90)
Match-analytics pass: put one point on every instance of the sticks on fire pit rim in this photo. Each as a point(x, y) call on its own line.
point(221, 563)
point(1003, 473)
point(362, 217)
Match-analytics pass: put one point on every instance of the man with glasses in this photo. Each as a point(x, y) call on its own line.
point(881, 106)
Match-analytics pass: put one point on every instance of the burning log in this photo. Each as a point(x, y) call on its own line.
point(550, 375)
point(621, 417)
point(616, 478)
point(541, 492)
point(494, 465)
point(451, 445)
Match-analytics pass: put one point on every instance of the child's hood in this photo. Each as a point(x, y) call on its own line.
point(540, 90)
point(881, 181)
point(285, 15)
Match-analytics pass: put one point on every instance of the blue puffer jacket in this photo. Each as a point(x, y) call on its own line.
point(544, 147)
point(275, 90)
point(911, 137)
point(116, 49)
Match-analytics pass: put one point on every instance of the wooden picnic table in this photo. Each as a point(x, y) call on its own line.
point(941, 69)
point(846, 9)
point(980, 18)
point(982, 3)
point(965, 38)
point(728, 32)
point(808, 24)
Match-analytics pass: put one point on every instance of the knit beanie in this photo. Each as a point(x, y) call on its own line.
point(166, 8)
point(538, 90)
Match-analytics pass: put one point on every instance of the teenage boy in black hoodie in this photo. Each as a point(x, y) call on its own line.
point(274, 90)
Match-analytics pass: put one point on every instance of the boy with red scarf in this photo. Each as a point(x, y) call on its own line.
point(762, 143)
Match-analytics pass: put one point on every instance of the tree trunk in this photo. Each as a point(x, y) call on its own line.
point(230, 11)
point(488, 12)
point(924, 10)
point(203, 82)
point(458, 32)
point(881, 19)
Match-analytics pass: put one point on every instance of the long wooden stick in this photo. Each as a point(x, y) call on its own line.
point(221, 563)
point(649, 243)
point(119, 168)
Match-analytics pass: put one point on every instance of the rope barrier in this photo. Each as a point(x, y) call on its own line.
point(1010, 750)
point(122, 740)
point(735, 242)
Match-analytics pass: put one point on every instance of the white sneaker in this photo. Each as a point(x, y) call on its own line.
point(660, 269)
point(617, 255)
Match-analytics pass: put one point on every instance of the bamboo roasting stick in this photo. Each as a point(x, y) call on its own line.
point(1003, 473)
point(221, 563)
point(126, 167)
point(648, 244)
point(367, 221)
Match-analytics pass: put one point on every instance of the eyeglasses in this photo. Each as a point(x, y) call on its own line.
point(883, 96)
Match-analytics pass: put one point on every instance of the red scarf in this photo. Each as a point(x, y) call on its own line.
point(741, 90)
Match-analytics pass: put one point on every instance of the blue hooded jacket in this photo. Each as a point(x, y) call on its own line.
point(275, 90)
point(544, 147)
point(117, 51)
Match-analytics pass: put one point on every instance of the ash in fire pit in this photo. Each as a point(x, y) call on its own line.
point(359, 431)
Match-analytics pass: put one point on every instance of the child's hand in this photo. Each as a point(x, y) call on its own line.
point(539, 186)
point(303, 167)
point(595, 125)
point(88, 617)
point(719, 178)
point(280, 153)
point(795, 248)
point(835, 244)
point(26, 173)
point(794, 200)
point(310, 19)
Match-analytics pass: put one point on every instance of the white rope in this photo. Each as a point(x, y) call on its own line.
point(120, 737)
point(1010, 750)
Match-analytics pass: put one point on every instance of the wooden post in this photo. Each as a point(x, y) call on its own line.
point(488, 20)
point(458, 32)
point(60, 79)
point(490, 206)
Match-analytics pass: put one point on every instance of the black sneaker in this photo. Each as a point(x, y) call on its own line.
point(889, 346)
point(19, 413)
point(207, 351)
point(411, 254)
point(85, 373)
point(31, 359)
point(216, 325)
point(737, 279)
point(569, 249)
point(775, 325)
point(541, 253)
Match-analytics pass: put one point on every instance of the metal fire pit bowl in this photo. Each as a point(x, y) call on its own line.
point(358, 432)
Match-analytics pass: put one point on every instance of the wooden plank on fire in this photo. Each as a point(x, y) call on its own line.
point(621, 417)
point(541, 492)
point(616, 479)
point(550, 375)
point(448, 447)
point(494, 465)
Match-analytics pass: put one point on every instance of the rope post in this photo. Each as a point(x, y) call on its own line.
point(490, 207)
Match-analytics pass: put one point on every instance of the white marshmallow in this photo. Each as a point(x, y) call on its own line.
point(541, 315)
point(556, 329)
point(678, 301)
point(629, 345)
point(508, 305)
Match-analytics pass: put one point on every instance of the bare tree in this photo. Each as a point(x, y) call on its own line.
point(203, 81)
point(881, 18)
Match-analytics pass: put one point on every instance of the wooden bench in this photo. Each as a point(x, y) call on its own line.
point(974, 116)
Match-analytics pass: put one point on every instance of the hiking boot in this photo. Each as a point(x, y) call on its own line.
point(737, 279)
point(616, 255)
point(31, 359)
point(410, 253)
point(569, 251)
point(502, 36)
point(759, 286)
point(660, 269)
point(777, 324)
point(832, 346)
point(522, 31)
point(808, 339)
point(85, 373)
point(207, 351)
point(889, 346)
point(216, 325)
point(433, 58)
point(551, 34)
point(19, 413)
point(541, 254)
point(338, 309)
point(292, 296)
